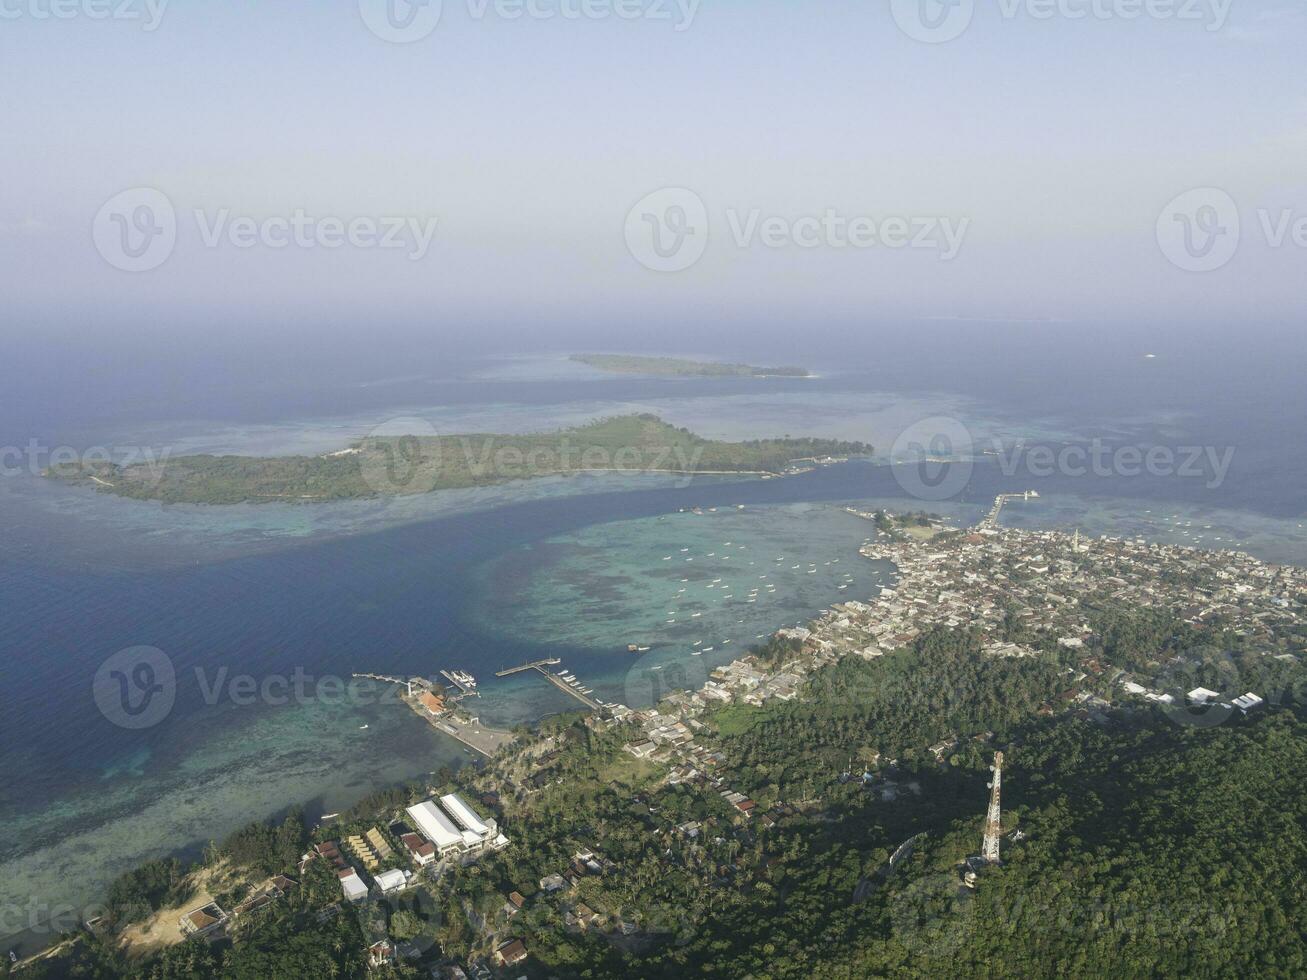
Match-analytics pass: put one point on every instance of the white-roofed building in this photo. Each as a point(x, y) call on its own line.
point(352, 885)
point(466, 817)
point(391, 882)
point(454, 827)
point(1200, 695)
point(437, 827)
point(1247, 702)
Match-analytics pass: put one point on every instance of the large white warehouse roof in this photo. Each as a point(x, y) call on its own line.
point(464, 815)
point(438, 828)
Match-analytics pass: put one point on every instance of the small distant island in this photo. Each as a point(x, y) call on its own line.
point(678, 367)
point(401, 465)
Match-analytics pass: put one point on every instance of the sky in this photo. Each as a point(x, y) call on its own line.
point(810, 165)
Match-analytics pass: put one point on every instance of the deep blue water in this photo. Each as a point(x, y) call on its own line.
point(393, 601)
point(400, 599)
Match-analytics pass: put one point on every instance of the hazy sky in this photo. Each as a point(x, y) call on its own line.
point(1051, 144)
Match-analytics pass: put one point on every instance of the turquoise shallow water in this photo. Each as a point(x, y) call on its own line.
point(148, 804)
point(490, 577)
point(463, 593)
point(697, 589)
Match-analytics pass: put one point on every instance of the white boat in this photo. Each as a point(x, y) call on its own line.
point(461, 678)
point(362, 727)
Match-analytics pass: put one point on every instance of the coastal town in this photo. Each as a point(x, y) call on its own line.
point(559, 835)
point(991, 579)
point(1026, 593)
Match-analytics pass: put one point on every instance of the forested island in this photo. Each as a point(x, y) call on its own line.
point(680, 367)
point(398, 465)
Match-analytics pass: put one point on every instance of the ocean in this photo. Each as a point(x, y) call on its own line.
point(288, 600)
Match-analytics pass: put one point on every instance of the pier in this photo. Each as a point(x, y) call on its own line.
point(533, 665)
point(464, 688)
point(991, 519)
point(571, 687)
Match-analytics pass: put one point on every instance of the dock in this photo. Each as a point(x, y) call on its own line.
point(464, 689)
point(533, 665)
point(572, 687)
point(991, 519)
